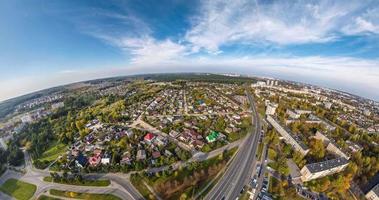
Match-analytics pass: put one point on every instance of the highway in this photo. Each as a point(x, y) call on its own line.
point(239, 172)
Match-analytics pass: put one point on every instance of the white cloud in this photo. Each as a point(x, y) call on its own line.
point(147, 50)
point(367, 23)
point(223, 22)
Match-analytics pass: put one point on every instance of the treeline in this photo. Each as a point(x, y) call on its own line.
point(12, 156)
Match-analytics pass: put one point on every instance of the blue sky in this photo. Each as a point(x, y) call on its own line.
point(328, 43)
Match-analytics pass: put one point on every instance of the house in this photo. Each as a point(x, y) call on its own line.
point(212, 137)
point(81, 161)
point(197, 144)
point(75, 152)
point(106, 159)
point(89, 147)
point(160, 141)
point(126, 159)
point(89, 138)
point(229, 130)
point(194, 135)
point(156, 154)
point(149, 138)
point(141, 155)
point(167, 153)
point(97, 152)
point(173, 134)
point(94, 160)
point(129, 132)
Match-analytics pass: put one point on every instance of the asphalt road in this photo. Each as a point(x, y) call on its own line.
point(239, 172)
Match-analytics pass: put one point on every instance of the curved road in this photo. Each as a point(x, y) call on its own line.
point(240, 170)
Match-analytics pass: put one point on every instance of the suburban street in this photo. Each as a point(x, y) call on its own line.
point(240, 170)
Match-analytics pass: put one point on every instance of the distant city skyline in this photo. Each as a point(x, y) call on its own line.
point(331, 44)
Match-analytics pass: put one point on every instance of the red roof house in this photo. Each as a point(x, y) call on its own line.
point(149, 137)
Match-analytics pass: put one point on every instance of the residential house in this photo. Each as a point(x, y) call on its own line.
point(160, 141)
point(149, 138)
point(173, 134)
point(94, 160)
point(212, 137)
point(156, 154)
point(126, 159)
point(106, 159)
point(81, 161)
point(141, 155)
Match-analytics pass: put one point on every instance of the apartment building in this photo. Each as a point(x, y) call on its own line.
point(291, 139)
point(373, 194)
point(324, 168)
point(331, 145)
point(271, 108)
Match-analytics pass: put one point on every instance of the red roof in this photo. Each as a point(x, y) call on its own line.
point(149, 136)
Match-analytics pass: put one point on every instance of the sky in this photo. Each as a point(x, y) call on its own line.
point(333, 44)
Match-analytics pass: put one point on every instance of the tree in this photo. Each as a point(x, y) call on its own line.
point(298, 158)
point(317, 149)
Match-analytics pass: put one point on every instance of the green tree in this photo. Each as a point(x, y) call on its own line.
point(317, 149)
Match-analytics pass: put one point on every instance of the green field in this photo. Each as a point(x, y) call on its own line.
point(56, 149)
point(99, 183)
point(18, 189)
point(77, 195)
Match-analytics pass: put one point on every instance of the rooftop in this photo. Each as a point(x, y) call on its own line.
point(294, 137)
point(325, 165)
point(376, 189)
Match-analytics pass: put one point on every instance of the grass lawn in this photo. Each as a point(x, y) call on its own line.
point(44, 197)
point(56, 149)
point(77, 195)
point(99, 183)
point(18, 189)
